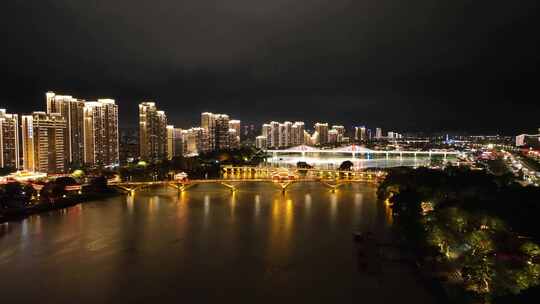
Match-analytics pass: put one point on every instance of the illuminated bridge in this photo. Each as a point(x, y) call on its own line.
point(331, 179)
point(358, 150)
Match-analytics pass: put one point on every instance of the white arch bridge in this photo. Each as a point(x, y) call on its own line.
point(359, 150)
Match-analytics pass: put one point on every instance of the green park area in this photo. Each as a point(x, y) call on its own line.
point(475, 234)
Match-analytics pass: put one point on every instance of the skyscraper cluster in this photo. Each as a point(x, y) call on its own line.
point(223, 133)
point(158, 140)
point(280, 135)
point(276, 135)
point(71, 133)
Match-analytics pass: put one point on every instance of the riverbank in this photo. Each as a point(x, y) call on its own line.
point(17, 214)
point(464, 238)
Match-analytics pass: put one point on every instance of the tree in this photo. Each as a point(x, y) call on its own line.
point(346, 165)
point(15, 195)
point(303, 165)
point(98, 184)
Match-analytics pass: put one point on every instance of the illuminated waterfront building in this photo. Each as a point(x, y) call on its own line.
point(307, 138)
point(274, 135)
point(195, 141)
point(217, 129)
point(340, 133)
point(333, 136)
point(322, 133)
point(529, 140)
point(266, 131)
point(175, 142)
point(298, 133)
point(170, 142)
point(284, 134)
point(101, 137)
point(222, 131)
point(27, 138)
point(360, 133)
point(261, 141)
point(178, 142)
point(9, 140)
point(208, 122)
point(44, 142)
point(152, 132)
point(235, 124)
point(378, 133)
point(234, 139)
point(72, 110)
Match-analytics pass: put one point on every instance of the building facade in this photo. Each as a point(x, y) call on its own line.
point(44, 142)
point(152, 132)
point(101, 136)
point(72, 110)
point(9, 140)
point(322, 133)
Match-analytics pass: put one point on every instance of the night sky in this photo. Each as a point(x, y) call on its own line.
point(403, 65)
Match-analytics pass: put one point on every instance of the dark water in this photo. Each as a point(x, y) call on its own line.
point(204, 246)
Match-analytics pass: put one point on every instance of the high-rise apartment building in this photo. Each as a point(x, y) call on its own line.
point(170, 142)
point(340, 133)
point(152, 132)
point(195, 141)
point(266, 131)
point(217, 129)
point(308, 139)
point(174, 142)
point(378, 133)
point(72, 110)
point(27, 138)
point(9, 140)
point(333, 135)
point(287, 134)
point(298, 133)
point(260, 142)
point(274, 134)
point(284, 134)
point(222, 131)
point(234, 139)
point(101, 136)
point(235, 124)
point(44, 142)
point(208, 122)
point(360, 133)
point(178, 142)
point(322, 133)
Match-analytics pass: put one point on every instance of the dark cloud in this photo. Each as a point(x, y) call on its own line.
point(413, 65)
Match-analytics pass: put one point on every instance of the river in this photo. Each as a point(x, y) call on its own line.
point(206, 245)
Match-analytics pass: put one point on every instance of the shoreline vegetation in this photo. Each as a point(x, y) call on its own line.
point(16, 214)
point(474, 235)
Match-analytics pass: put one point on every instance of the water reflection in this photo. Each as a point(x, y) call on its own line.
point(281, 223)
point(307, 202)
point(257, 206)
point(333, 206)
point(233, 203)
point(256, 237)
point(130, 200)
point(206, 213)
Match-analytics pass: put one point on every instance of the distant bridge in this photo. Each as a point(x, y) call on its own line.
point(359, 150)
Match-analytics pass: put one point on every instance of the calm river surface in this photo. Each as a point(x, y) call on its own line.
point(206, 245)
